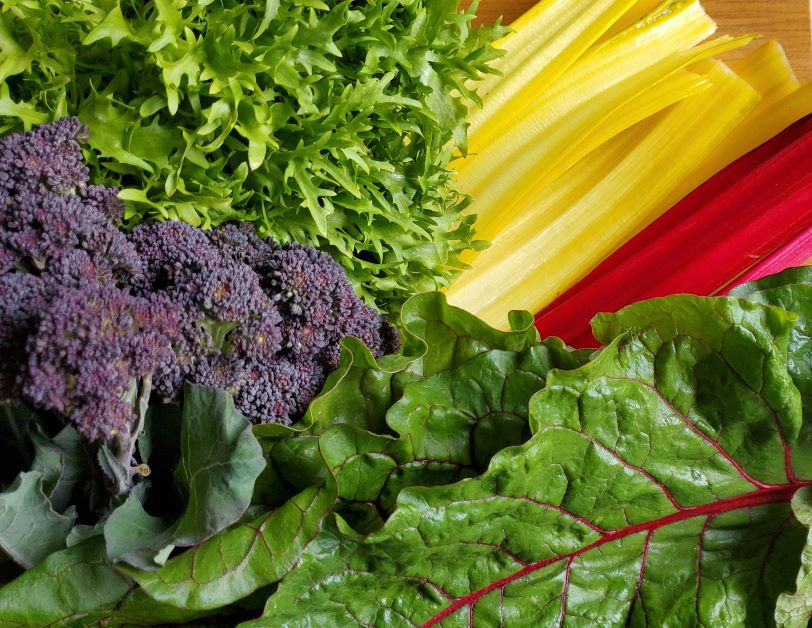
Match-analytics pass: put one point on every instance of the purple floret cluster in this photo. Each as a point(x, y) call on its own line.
point(263, 321)
point(90, 317)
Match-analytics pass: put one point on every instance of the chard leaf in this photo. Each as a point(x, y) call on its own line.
point(791, 290)
point(219, 462)
point(63, 588)
point(235, 563)
point(655, 490)
point(435, 415)
point(794, 610)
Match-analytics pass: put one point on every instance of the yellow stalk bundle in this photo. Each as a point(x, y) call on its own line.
point(578, 104)
point(783, 102)
point(589, 136)
point(547, 40)
point(617, 191)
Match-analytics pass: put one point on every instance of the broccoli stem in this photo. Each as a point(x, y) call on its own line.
point(125, 442)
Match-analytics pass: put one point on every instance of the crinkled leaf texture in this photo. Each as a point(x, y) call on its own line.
point(655, 490)
point(220, 459)
point(437, 413)
point(792, 291)
point(431, 418)
point(794, 610)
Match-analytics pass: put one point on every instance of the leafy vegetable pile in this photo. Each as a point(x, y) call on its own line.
point(328, 125)
point(492, 477)
point(90, 313)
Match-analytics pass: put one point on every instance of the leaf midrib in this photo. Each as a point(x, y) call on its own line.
point(772, 494)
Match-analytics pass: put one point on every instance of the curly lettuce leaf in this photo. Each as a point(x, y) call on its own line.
point(655, 490)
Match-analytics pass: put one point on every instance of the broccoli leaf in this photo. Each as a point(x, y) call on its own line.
point(655, 490)
point(237, 562)
point(30, 529)
point(16, 422)
point(63, 463)
point(220, 461)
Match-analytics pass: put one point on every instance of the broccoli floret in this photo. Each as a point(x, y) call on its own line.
point(21, 300)
point(272, 317)
point(278, 390)
point(241, 243)
point(91, 345)
point(169, 248)
point(319, 306)
point(50, 210)
point(225, 308)
point(76, 269)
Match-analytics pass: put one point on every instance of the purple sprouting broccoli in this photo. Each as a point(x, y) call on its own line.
point(279, 389)
point(228, 319)
point(319, 306)
point(91, 359)
point(22, 297)
point(240, 242)
point(48, 207)
point(263, 322)
point(92, 320)
point(91, 346)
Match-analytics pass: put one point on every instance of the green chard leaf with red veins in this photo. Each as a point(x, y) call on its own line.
point(327, 123)
point(791, 290)
point(794, 610)
point(434, 416)
point(655, 490)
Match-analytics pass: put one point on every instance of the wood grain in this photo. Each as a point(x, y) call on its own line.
point(785, 20)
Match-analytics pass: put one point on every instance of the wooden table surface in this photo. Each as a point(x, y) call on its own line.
point(785, 20)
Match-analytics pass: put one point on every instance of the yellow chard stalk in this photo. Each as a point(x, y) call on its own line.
point(580, 218)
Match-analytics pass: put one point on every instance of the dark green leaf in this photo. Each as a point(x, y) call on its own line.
point(63, 462)
point(654, 490)
point(219, 462)
point(435, 415)
point(794, 610)
point(792, 291)
point(64, 588)
point(30, 529)
point(17, 448)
